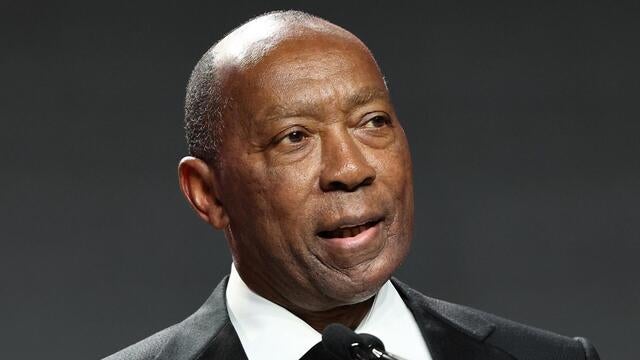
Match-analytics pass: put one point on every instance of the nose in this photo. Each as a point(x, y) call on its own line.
point(344, 166)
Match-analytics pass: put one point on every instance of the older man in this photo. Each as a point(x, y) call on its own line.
point(298, 155)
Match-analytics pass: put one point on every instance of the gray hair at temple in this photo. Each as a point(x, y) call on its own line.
point(205, 101)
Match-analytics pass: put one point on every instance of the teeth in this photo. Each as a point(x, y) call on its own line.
point(347, 232)
point(351, 231)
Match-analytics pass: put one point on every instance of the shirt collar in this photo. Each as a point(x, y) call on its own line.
point(267, 330)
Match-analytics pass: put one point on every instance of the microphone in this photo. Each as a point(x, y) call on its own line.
point(345, 344)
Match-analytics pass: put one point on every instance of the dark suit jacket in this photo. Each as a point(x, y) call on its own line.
point(451, 332)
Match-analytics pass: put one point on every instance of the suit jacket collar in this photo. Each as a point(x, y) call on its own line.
point(459, 317)
point(451, 331)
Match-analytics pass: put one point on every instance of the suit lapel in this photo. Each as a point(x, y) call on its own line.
point(207, 334)
point(225, 346)
point(451, 332)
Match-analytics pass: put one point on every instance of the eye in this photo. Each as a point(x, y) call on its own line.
point(295, 136)
point(377, 121)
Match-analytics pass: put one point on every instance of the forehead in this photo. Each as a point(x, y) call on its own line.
point(309, 69)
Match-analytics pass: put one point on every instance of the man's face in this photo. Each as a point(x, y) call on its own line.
point(315, 174)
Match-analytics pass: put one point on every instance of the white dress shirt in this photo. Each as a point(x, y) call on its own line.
point(269, 331)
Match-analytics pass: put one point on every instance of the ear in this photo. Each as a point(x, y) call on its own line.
point(199, 185)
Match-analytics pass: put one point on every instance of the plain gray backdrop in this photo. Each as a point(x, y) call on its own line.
point(523, 123)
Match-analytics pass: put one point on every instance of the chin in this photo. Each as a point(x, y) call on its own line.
point(358, 286)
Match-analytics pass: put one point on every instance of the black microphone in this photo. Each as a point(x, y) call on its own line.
point(345, 344)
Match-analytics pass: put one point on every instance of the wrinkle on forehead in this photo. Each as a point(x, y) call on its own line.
point(310, 105)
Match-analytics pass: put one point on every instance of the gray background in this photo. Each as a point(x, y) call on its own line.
point(523, 122)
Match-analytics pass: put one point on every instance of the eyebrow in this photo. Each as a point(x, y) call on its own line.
point(306, 107)
point(365, 96)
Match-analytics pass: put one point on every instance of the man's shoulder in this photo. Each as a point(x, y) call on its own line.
point(524, 341)
point(185, 338)
point(530, 341)
point(519, 340)
point(146, 349)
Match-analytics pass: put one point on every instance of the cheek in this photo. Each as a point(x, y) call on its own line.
point(393, 167)
point(395, 175)
point(403, 181)
point(290, 188)
point(275, 196)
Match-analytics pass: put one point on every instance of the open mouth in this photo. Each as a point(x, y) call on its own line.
point(347, 231)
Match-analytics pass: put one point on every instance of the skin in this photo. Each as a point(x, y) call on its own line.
point(311, 142)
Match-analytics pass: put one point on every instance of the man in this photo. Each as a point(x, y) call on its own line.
point(298, 155)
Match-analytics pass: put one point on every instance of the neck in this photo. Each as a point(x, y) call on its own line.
point(348, 315)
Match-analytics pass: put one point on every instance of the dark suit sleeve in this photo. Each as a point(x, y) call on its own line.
point(589, 350)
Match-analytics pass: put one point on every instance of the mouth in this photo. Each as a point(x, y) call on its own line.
point(347, 231)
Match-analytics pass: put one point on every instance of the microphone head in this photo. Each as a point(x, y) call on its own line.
point(370, 341)
point(338, 339)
